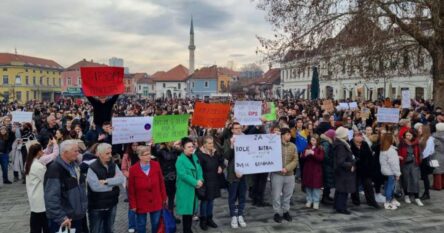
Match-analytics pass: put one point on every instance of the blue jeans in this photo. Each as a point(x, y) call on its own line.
point(75, 224)
point(154, 218)
point(206, 208)
point(102, 221)
point(313, 195)
point(4, 162)
point(389, 188)
point(237, 191)
point(132, 220)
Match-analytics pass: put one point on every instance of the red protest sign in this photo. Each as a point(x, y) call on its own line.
point(210, 115)
point(102, 81)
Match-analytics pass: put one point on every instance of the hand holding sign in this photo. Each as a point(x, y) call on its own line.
point(102, 81)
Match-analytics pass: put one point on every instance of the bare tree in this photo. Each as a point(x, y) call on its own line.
point(406, 25)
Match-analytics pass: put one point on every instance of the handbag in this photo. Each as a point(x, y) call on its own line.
point(201, 192)
point(434, 163)
point(169, 221)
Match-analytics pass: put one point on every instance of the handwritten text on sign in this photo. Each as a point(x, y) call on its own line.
point(248, 112)
point(210, 115)
point(20, 117)
point(388, 115)
point(258, 153)
point(169, 128)
point(131, 129)
point(102, 81)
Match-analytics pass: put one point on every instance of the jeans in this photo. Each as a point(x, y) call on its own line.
point(313, 195)
point(206, 208)
point(39, 223)
point(132, 223)
point(237, 191)
point(154, 218)
point(4, 162)
point(102, 221)
point(389, 188)
point(75, 224)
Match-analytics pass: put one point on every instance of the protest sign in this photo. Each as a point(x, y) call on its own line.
point(365, 113)
point(102, 81)
point(169, 128)
point(20, 117)
point(405, 101)
point(353, 105)
point(248, 112)
point(388, 115)
point(327, 105)
point(260, 153)
point(343, 106)
point(131, 129)
point(210, 115)
point(269, 111)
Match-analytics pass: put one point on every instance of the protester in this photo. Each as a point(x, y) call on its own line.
point(438, 173)
point(189, 178)
point(130, 158)
point(146, 190)
point(104, 178)
point(312, 173)
point(6, 140)
point(328, 171)
point(427, 148)
point(103, 109)
point(390, 168)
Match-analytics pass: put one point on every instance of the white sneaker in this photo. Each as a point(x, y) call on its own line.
point(396, 203)
point(234, 223)
point(390, 206)
point(308, 204)
point(379, 198)
point(316, 205)
point(241, 221)
point(418, 202)
point(131, 231)
point(407, 200)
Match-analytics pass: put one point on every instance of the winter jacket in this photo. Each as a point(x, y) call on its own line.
point(46, 134)
point(102, 111)
point(365, 162)
point(312, 173)
point(188, 175)
point(345, 178)
point(229, 155)
point(403, 151)
point(439, 152)
point(210, 165)
point(34, 186)
point(290, 158)
point(328, 171)
point(389, 161)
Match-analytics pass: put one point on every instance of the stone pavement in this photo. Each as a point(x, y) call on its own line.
point(14, 216)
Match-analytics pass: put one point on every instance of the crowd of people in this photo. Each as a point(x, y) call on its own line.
point(74, 175)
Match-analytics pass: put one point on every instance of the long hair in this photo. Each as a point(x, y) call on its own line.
point(386, 141)
point(426, 132)
point(34, 150)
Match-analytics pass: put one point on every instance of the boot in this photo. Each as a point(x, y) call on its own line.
point(203, 223)
point(425, 196)
point(210, 222)
point(437, 182)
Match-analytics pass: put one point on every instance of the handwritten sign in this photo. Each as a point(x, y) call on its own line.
point(365, 113)
point(132, 129)
point(343, 106)
point(388, 115)
point(269, 111)
point(353, 105)
point(169, 128)
point(258, 153)
point(20, 117)
point(210, 115)
point(405, 101)
point(102, 81)
point(327, 105)
point(248, 112)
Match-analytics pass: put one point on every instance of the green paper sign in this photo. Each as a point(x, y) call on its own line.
point(170, 128)
point(271, 116)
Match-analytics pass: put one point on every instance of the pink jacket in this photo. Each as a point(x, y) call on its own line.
point(49, 154)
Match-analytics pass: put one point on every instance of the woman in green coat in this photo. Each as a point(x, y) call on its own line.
point(189, 177)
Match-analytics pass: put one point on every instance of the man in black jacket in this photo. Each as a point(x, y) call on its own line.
point(103, 109)
point(48, 131)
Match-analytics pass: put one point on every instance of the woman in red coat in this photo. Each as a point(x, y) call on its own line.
point(146, 190)
point(312, 173)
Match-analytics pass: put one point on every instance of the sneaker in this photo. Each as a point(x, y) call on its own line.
point(308, 204)
point(241, 221)
point(418, 202)
point(131, 231)
point(390, 206)
point(288, 217)
point(277, 218)
point(379, 198)
point(407, 200)
point(9, 182)
point(396, 203)
point(234, 223)
point(195, 218)
point(316, 205)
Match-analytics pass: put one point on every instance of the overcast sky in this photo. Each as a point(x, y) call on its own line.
point(149, 35)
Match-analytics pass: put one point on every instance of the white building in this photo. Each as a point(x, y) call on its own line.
point(171, 84)
point(343, 76)
point(146, 88)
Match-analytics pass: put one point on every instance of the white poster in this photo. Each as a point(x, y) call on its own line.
point(388, 115)
point(21, 117)
point(259, 153)
point(353, 105)
point(248, 112)
point(343, 106)
point(406, 99)
point(132, 129)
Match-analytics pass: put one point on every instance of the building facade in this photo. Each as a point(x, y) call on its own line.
point(203, 83)
point(146, 88)
point(25, 78)
point(171, 84)
point(71, 78)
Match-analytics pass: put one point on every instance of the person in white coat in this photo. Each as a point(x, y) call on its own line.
point(389, 161)
point(35, 169)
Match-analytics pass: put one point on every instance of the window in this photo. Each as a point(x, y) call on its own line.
point(18, 80)
point(53, 82)
point(5, 69)
point(33, 70)
point(79, 80)
point(41, 81)
point(5, 79)
point(60, 82)
point(140, 87)
point(206, 83)
point(18, 96)
point(27, 80)
point(178, 86)
point(33, 80)
point(152, 87)
point(192, 84)
point(26, 70)
point(164, 85)
point(27, 95)
point(41, 71)
point(47, 81)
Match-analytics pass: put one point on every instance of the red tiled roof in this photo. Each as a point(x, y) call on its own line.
point(176, 74)
point(158, 74)
point(84, 63)
point(8, 58)
point(205, 73)
point(145, 81)
point(272, 75)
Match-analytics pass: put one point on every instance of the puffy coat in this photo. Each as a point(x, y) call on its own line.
point(389, 161)
point(345, 179)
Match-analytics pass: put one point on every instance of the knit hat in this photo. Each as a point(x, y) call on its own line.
point(440, 127)
point(417, 126)
point(331, 133)
point(342, 133)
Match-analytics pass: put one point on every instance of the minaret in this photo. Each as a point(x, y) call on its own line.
point(191, 47)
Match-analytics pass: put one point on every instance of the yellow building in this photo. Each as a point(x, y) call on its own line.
point(25, 78)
